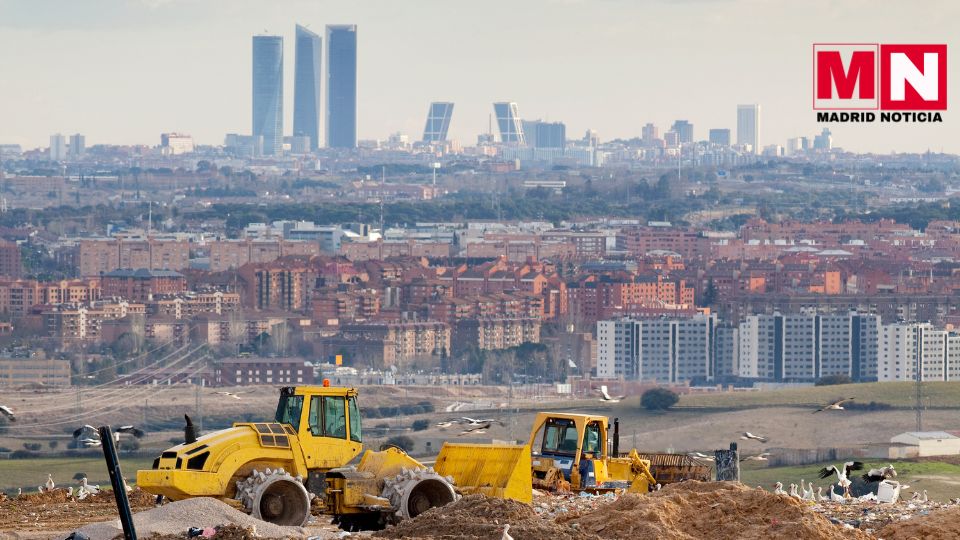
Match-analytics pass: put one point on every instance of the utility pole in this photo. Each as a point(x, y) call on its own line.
point(918, 398)
point(199, 408)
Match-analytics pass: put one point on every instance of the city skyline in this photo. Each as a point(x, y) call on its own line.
point(602, 85)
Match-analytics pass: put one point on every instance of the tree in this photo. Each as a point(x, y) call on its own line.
point(401, 441)
point(658, 399)
point(710, 294)
point(420, 425)
point(831, 380)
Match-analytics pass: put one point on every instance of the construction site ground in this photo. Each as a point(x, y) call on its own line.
point(686, 511)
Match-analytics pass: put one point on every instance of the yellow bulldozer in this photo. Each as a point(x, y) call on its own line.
point(273, 468)
point(570, 452)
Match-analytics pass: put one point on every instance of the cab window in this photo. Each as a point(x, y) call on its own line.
point(316, 416)
point(591, 438)
point(288, 410)
point(560, 437)
point(355, 434)
point(334, 417)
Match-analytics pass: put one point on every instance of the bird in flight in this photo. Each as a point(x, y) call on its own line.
point(747, 436)
point(8, 413)
point(605, 395)
point(476, 430)
point(136, 432)
point(473, 422)
point(230, 394)
point(835, 406)
point(756, 457)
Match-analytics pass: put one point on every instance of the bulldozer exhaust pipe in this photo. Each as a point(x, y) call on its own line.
point(189, 431)
point(616, 437)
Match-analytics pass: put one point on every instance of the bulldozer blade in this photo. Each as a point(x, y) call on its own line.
point(495, 470)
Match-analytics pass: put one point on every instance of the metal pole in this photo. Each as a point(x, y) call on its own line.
point(116, 480)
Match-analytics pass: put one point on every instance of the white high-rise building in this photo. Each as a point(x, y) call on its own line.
point(58, 147)
point(805, 347)
point(748, 126)
point(906, 346)
point(662, 350)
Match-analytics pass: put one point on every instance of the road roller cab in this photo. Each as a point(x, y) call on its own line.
point(269, 466)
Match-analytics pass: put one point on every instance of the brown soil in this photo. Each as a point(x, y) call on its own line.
point(716, 510)
point(938, 525)
point(54, 510)
point(477, 517)
point(226, 532)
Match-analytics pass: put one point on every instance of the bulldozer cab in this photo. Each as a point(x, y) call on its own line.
point(327, 422)
point(561, 440)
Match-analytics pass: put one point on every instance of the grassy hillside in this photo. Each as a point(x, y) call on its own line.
point(936, 395)
point(28, 474)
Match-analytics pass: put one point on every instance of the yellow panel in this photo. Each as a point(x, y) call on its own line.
point(496, 470)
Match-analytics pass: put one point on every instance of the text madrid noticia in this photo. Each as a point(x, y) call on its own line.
point(869, 82)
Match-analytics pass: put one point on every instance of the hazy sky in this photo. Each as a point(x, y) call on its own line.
point(123, 71)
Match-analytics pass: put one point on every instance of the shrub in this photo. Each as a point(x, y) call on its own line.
point(658, 399)
point(420, 425)
point(400, 441)
point(831, 380)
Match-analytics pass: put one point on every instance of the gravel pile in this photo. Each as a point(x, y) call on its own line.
point(176, 517)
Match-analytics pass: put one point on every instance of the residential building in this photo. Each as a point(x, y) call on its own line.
point(78, 146)
point(684, 131)
point(540, 134)
point(720, 136)
point(58, 147)
point(176, 144)
point(141, 284)
point(267, 371)
point(663, 350)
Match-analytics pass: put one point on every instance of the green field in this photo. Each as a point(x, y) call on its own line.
point(28, 474)
point(941, 480)
point(900, 394)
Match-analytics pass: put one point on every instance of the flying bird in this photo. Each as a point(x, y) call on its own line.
point(699, 455)
point(136, 432)
point(747, 436)
point(606, 396)
point(228, 394)
point(473, 422)
point(835, 406)
point(8, 412)
point(446, 424)
point(843, 473)
point(477, 430)
point(757, 457)
point(878, 475)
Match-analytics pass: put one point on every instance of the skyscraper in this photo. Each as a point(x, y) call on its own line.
point(58, 147)
point(748, 126)
point(509, 123)
point(268, 92)
point(438, 122)
point(684, 130)
point(78, 145)
point(306, 86)
point(342, 86)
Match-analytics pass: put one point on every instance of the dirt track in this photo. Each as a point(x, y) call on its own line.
point(55, 511)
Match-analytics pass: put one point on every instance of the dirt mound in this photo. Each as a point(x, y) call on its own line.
point(479, 517)
point(175, 518)
point(938, 525)
point(715, 510)
point(57, 495)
